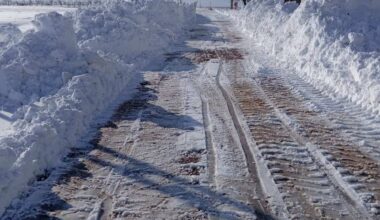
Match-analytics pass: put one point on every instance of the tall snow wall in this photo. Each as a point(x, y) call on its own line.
point(334, 45)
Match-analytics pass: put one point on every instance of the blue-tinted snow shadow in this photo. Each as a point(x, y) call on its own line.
point(140, 107)
point(198, 196)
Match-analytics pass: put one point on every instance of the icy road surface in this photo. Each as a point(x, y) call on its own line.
point(211, 137)
point(22, 16)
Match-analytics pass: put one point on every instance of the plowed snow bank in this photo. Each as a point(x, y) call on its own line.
point(72, 67)
point(335, 45)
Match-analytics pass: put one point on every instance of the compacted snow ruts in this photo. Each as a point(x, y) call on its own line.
point(357, 169)
point(306, 189)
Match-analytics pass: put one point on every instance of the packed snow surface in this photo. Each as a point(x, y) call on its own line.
point(335, 45)
point(59, 77)
point(22, 16)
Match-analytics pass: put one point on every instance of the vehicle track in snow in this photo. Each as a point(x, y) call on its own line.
point(231, 164)
point(358, 170)
point(243, 139)
point(231, 170)
point(305, 186)
point(352, 122)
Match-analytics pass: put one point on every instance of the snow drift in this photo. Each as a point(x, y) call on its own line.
point(59, 77)
point(31, 68)
point(334, 45)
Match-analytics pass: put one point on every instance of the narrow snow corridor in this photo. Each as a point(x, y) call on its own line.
point(210, 137)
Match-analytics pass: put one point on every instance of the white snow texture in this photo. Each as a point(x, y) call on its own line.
point(334, 45)
point(59, 77)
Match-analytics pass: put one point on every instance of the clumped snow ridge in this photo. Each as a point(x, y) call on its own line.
point(335, 45)
point(59, 77)
point(32, 67)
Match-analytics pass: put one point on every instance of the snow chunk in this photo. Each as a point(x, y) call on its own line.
point(31, 68)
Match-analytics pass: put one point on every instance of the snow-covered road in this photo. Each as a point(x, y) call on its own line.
point(209, 136)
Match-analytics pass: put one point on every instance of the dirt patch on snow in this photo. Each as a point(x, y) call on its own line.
point(193, 156)
point(201, 56)
point(209, 54)
point(191, 170)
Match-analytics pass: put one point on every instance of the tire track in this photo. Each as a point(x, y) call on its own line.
point(306, 188)
point(355, 168)
point(234, 168)
point(353, 123)
point(263, 208)
point(228, 165)
point(209, 142)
